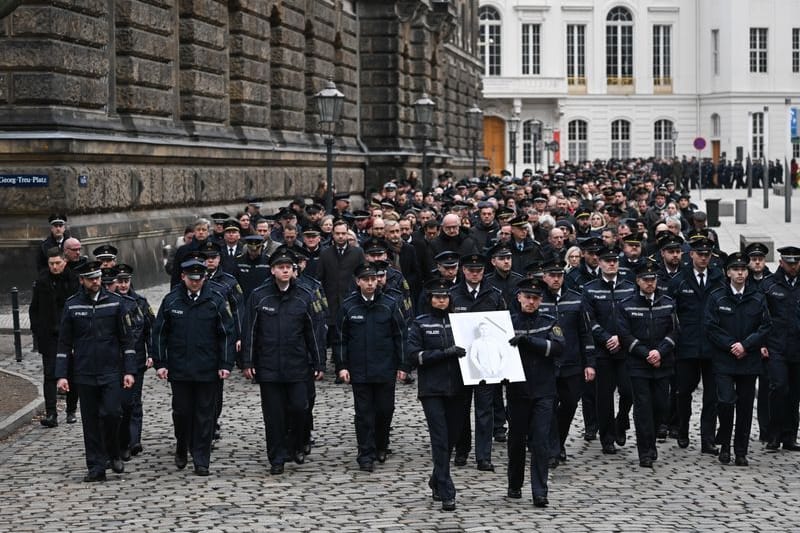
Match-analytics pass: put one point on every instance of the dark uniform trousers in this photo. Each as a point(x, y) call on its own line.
point(100, 416)
point(284, 407)
point(311, 399)
point(589, 404)
point(784, 398)
point(650, 406)
point(374, 408)
point(130, 432)
point(444, 415)
point(193, 408)
point(763, 403)
point(484, 422)
point(568, 392)
point(735, 392)
point(529, 417)
point(688, 375)
point(612, 374)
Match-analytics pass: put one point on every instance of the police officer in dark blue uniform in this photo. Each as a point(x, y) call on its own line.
point(648, 327)
point(576, 363)
point(530, 403)
point(283, 343)
point(432, 350)
point(782, 290)
point(194, 338)
point(738, 323)
point(95, 334)
point(601, 299)
point(757, 265)
point(252, 265)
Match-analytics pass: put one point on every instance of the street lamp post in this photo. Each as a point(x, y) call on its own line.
point(475, 118)
point(547, 133)
point(423, 111)
point(513, 126)
point(329, 106)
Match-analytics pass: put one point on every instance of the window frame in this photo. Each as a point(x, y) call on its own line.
point(759, 50)
point(621, 139)
point(577, 140)
point(662, 54)
point(576, 54)
point(490, 46)
point(619, 46)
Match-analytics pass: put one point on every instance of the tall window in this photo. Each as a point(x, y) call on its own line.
point(620, 139)
point(715, 125)
point(757, 134)
point(489, 45)
point(758, 50)
point(619, 47)
point(662, 52)
point(576, 54)
point(796, 50)
point(578, 141)
point(531, 49)
point(715, 51)
point(531, 133)
point(662, 135)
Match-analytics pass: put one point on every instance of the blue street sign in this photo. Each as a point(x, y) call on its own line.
point(793, 134)
point(23, 180)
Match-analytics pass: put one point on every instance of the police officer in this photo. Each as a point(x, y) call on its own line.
point(252, 265)
point(757, 265)
point(738, 323)
point(106, 254)
point(530, 402)
point(282, 345)
point(56, 239)
point(94, 333)
point(369, 354)
point(690, 289)
point(648, 328)
point(446, 269)
point(432, 350)
point(576, 363)
point(601, 300)
point(473, 295)
point(193, 347)
point(782, 290)
point(132, 413)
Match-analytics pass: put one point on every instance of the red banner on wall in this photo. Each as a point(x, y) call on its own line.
point(557, 153)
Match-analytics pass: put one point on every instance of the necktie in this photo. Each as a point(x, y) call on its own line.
point(193, 296)
point(701, 282)
point(230, 251)
point(474, 293)
point(519, 246)
point(341, 252)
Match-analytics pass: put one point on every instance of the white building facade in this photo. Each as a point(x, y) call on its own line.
point(638, 79)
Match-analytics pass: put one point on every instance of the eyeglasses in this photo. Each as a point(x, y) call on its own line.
point(451, 227)
point(78, 249)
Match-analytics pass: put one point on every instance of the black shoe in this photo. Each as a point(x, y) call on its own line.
point(661, 434)
point(646, 462)
point(94, 477)
point(449, 505)
point(125, 454)
point(792, 446)
point(710, 449)
point(552, 462)
point(460, 460)
point(621, 439)
point(724, 456)
point(180, 460)
point(562, 456)
point(367, 467)
point(683, 442)
point(299, 458)
point(773, 445)
point(49, 421)
point(609, 449)
point(307, 449)
point(217, 435)
point(434, 490)
point(673, 434)
point(589, 435)
point(380, 455)
point(201, 470)
point(741, 460)
point(540, 501)
point(485, 466)
point(338, 380)
point(136, 449)
point(276, 469)
point(515, 494)
point(71, 418)
point(410, 381)
point(500, 437)
point(117, 465)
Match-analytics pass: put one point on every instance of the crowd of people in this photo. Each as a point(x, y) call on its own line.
point(620, 297)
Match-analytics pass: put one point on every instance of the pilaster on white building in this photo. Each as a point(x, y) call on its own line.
point(592, 79)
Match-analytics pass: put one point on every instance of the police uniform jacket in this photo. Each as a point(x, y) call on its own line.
point(281, 339)
point(577, 278)
point(194, 339)
point(644, 327)
point(50, 293)
point(507, 284)
point(45, 245)
point(144, 318)
point(97, 335)
point(252, 272)
point(227, 285)
point(729, 320)
point(627, 268)
point(578, 351)
point(489, 298)
point(371, 338)
point(601, 306)
point(542, 344)
point(531, 251)
point(438, 374)
point(782, 300)
point(690, 304)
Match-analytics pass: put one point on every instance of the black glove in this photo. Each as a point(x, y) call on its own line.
point(515, 340)
point(455, 351)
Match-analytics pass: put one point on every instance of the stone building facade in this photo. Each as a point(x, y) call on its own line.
point(144, 114)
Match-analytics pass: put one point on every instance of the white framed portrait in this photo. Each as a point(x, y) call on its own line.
point(485, 338)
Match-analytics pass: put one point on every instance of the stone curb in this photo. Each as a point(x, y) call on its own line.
point(24, 415)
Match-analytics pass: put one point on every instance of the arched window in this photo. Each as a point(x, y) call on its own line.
point(715, 125)
point(489, 40)
point(531, 134)
point(620, 139)
point(662, 135)
point(577, 141)
point(619, 47)
point(757, 134)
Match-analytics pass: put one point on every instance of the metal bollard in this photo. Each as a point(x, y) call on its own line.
point(741, 211)
point(15, 316)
